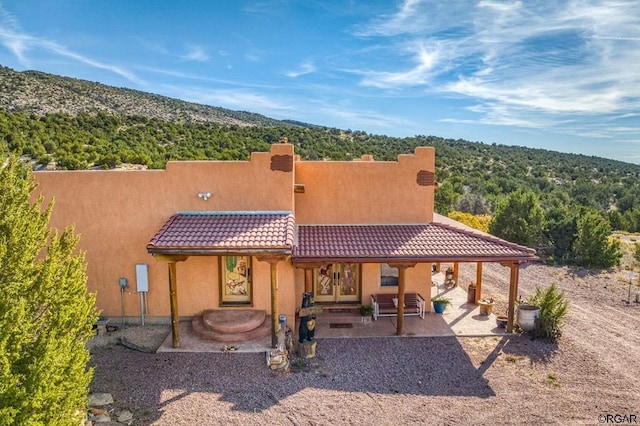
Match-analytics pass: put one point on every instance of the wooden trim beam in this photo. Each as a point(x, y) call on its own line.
point(308, 265)
point(299, 262)
point(169, 258)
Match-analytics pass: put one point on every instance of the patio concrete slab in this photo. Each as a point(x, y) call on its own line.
point(459, 319)
point(191, 342)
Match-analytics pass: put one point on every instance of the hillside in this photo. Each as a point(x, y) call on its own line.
point(63, 123)
point(41, 93)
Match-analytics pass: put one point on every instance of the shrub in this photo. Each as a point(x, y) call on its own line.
point(553, 308)
point(46, 315)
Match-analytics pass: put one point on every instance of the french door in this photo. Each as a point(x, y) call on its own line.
point(337, 282)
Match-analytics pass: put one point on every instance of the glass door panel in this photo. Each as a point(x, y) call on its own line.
point(324, 284)
point(337, 282)
point(348, 282)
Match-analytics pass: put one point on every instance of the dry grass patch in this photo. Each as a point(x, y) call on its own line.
point(552, 379)
point(513, 358)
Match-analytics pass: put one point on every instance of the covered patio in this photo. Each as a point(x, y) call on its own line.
point(404, 246)
point(273, 237)
point(461, 319)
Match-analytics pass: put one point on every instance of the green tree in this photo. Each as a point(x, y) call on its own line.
point(444, 198)
point(519, 218)
point(472, 203)
point(561, 230)
point(636, 252)
point(593, 246)
point(46, 315)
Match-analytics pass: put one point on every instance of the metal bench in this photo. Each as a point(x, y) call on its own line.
point(386, 304)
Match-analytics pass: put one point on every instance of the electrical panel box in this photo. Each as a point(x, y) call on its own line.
point(142, 277)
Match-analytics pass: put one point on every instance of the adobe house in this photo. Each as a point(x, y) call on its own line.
point(257, 234)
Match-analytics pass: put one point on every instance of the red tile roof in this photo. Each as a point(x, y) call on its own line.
point(216, 233)
point(225, 232)
point(407, 242)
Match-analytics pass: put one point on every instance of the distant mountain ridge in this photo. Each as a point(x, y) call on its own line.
point(61, 123)
point(41, 93)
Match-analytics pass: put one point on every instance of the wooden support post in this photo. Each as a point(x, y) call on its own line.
point(308, 280)
point(513, 290)
point(273, 266)
point(402, 269)
point(173, 297)
point(456, 272)
point(478, 282)
point(274, 303)
point(172, 260)
point(401, 287)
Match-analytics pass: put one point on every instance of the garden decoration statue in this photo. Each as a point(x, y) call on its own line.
point(449, 278)
point(307, 322)
point(306, 332)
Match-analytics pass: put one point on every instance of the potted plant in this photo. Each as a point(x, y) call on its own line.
point(366, 310)
point(439, 304)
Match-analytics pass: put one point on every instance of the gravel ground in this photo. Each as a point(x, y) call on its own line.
point(591, 372)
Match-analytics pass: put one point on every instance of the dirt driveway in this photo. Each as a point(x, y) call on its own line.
point(591, 373)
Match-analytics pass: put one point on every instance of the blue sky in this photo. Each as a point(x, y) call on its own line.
point(558, 75)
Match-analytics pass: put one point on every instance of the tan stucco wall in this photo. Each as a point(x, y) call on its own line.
point(365, 191)
point(117, 212)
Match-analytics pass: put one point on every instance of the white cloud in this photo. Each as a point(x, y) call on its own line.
point(206, 78)
point(426, 57)
point(12, 38)
point(307, 67)
point(417, 17)
point(240, 99)
point(20, 44)
point(526, 64)
point(360, 118)
point(195, 53)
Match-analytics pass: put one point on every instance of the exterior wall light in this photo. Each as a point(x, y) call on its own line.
point(204, 195)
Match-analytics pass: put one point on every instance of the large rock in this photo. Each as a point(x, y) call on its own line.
point(100, 399)
point(125, 416)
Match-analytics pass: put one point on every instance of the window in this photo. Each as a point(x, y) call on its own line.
point(235, 280)
point(388, 276)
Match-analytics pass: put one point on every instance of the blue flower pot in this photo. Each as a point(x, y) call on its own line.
point(439, 307)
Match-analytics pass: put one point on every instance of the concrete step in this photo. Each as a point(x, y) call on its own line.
point(203, 332)
point(231, 321)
